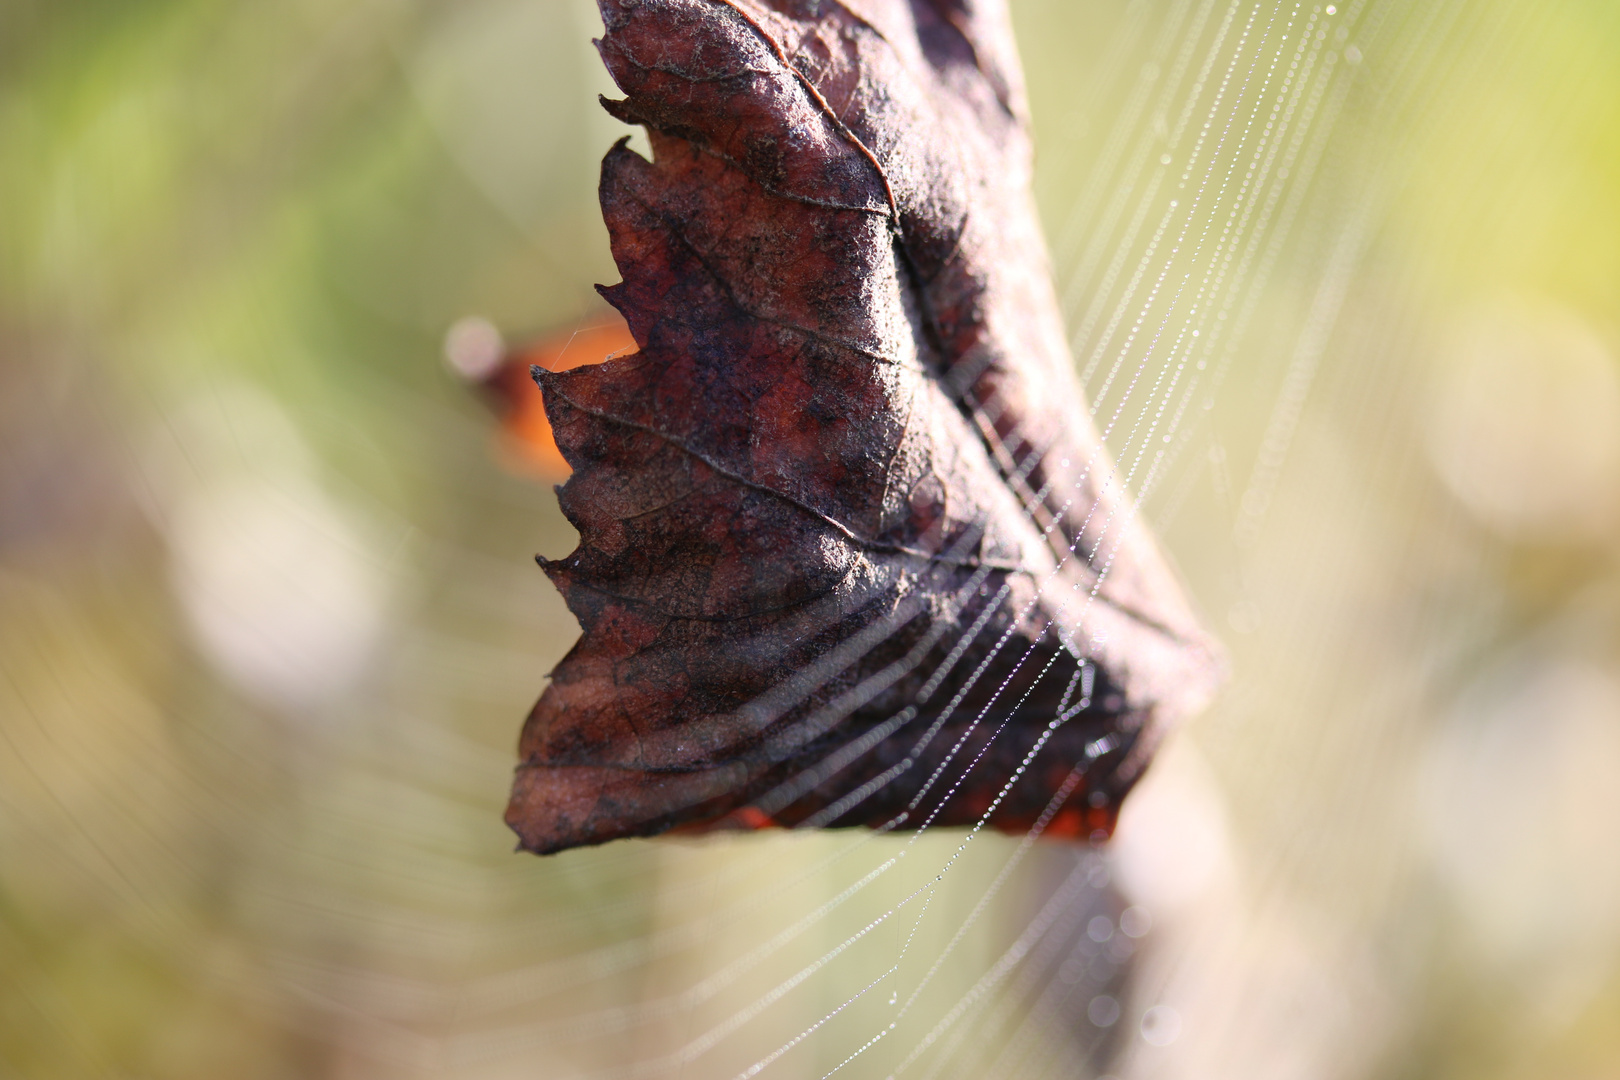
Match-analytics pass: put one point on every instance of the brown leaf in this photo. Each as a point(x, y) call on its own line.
point(851, 551)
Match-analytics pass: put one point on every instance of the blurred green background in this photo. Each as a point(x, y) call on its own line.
point(269, 621)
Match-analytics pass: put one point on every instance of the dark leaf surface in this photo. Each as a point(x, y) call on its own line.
point(851, 551)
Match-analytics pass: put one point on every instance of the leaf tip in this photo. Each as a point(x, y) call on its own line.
point(620, 110)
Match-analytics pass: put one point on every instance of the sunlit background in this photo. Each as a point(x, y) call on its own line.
point(269, 619)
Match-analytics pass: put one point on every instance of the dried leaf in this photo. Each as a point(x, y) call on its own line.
point(851, 551)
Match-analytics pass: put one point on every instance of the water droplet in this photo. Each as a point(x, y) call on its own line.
point(473, 347)
point(1160, 1025)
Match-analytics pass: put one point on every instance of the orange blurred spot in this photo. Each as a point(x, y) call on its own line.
point(1070, 823)
point(525, 445)
point(752, 817)
point(742, 819)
